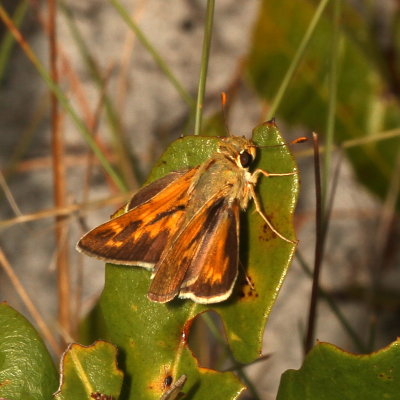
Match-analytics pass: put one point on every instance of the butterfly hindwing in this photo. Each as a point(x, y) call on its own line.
point(139, 236)
point(204, 253)
point(213, 272)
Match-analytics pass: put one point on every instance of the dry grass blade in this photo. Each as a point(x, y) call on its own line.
point(29, 304)
point(61, 98)
point(64, 211)
point(9, 196)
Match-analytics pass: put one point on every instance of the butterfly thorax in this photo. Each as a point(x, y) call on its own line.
point(223, 177)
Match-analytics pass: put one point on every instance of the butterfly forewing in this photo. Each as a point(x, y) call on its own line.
point(139, 236)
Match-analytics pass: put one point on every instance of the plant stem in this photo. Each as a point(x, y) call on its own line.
point(335, 309)
point(204, 65)
point(26, 300)
point(296, 59)
point(154, 53)
point(57, 145)
point(61, 98)
point(7, 41)
point(114, 119)
point(308, 342)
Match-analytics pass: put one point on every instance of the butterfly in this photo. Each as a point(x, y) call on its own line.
point(184, 227)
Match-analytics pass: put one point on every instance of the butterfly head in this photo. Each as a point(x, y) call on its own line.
point(238, 149)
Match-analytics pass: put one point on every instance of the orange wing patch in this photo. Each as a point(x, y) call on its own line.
point(139, 236)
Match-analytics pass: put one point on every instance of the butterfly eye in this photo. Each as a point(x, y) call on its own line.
point(245, 158)
point(168, 381)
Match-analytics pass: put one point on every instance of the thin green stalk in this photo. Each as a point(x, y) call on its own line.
point(8, 39)
point(27, 135)
point(131, 176)
point(61, 98)
point(204, 65)
point(149, 47)
point(330, 126)
point(296, 59)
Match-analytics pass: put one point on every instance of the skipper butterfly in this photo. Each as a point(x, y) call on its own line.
point(184, 227)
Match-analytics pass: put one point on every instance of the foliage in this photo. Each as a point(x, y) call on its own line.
point(26, 369)
point(89, 371)
point(330, 373)
point(364, 106)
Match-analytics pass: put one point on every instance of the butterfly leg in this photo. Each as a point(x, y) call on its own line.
point(259, 210)
point(248, 280)
point(259, 171)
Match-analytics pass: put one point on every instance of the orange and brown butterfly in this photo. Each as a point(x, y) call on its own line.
point(184, 226)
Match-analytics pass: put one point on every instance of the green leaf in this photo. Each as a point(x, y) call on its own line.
point(329, 373)
point(86, 370)
point(26, 369)
point(362, 109)
point(152, 337)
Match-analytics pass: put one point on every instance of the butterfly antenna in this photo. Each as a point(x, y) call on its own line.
point(223, 107)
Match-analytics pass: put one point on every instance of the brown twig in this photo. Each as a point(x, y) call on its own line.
point(9, 196)
point(63, 278)
point(65, 211)
point(308, 343)
point(43, 328)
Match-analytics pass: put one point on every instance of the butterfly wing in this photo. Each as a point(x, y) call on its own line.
point(212, 275)
point(139, 236)
point(201, 263)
